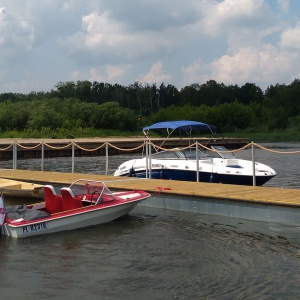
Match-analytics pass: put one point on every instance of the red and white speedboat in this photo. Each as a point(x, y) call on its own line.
point(84, 203)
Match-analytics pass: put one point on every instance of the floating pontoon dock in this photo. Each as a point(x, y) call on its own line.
point(265, 204)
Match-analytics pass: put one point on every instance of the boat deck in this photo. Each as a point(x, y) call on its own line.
point(260, 194)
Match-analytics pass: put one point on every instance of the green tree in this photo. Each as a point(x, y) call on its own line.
point(231, 116)
point(13, 116)
point(250, 93)
point(277, 119)
point(111, 116)
point(44, 116)
point(84, 91)
point(65, 90)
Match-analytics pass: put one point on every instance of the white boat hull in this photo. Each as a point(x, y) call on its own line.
point(84, 203)
point(92, 216)
point(217, 170)
point(195, 163)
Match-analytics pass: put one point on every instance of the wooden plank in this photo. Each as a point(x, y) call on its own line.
point(261, 194)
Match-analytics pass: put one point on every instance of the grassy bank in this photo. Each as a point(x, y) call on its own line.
point(288, 135)
point(68, 134)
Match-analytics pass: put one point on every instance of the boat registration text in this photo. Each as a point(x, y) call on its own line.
point(35, 227)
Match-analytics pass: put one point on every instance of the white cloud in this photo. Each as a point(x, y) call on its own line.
point(17, 34)
point(155, 74)
point(115, 72)
point(99, 30)
point(101, 35)
point(283, 6)
point(262, 66)
point(193, 72)
point(290, 39)
point(27, 83)
point(183, 42)
point(230, 15)
point(109, 73)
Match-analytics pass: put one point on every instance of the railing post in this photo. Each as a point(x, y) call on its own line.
point(253, 164)
point(150, 161)
point(106, 158)
point(197, 162)
point(42, 156)
point(73, 157)
point(15, 155)
point(147, 157)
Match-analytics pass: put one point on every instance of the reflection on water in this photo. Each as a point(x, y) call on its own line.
point(157, 254)
point(152, 256)
point(287, 166)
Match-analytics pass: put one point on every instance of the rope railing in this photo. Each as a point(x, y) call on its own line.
point(126, 149)
point(143, 144)
point(4, 149)
point(172, 149)
point(89, 149)
point(72, 144)
point(199, 145)
point(146, 144)
point(59, 148)
point(225, 151)
point(275, 151)
point(26, 147)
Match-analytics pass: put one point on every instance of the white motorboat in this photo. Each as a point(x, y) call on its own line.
point(84, 203)
point(218, 165)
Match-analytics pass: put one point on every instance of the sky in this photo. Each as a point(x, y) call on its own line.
point(44, 42)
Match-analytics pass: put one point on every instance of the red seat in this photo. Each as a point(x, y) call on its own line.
point(69, 201)
point(52, 200)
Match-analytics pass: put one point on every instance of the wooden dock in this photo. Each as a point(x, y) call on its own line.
point(221, 192)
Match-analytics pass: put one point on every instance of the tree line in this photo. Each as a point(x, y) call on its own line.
point(85, 104)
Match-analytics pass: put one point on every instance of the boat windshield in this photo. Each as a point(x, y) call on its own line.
point(91, 187)
point(168, 155)
point(219, 151)
point(223, 152)
point(191, 153)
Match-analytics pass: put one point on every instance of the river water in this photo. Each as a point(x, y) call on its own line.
point(155, 254)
